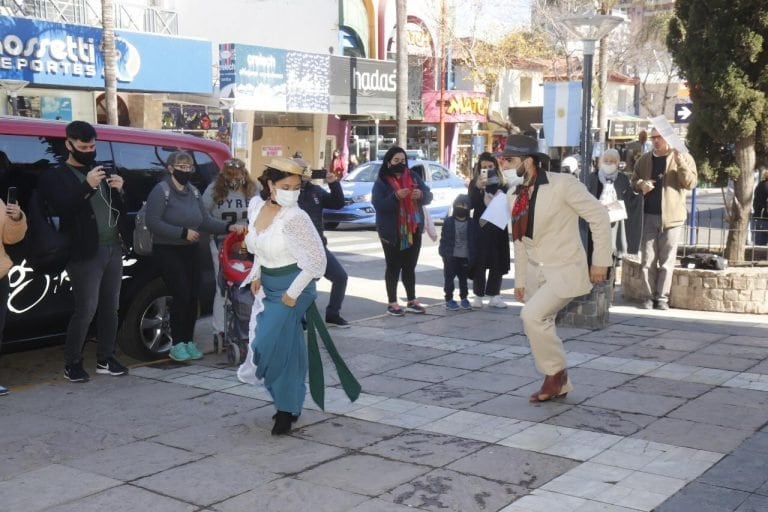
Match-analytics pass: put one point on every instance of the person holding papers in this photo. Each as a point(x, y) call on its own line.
point(487, 194)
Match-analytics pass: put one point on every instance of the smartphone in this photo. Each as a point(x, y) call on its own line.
point(484, 173)
point(108, 171)
point(12, 196)
point(319, 174)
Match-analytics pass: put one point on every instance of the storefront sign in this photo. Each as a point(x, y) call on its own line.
point(361, 86)
point(626, 128)
point(275, 80)
point(271, 150)
point(458, 106)
point(47, 53)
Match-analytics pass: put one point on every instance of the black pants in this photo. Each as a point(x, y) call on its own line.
point(336, 274)
point(401, 262)
point(4, 290)
point(180, 266)
point(454, 267)
point(491, 287)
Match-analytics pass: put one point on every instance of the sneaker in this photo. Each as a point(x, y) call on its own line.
point(179, 352)
point(661, 305)
point(395, 310)
point(336, 321)
point(496, 302)
point(3, 390)
point(477, 302)
point(465, 304)
point(646, 304)
point(451, 305)
point(414, 307)
point(76, 373)
point(193, 351)
point(111, 367)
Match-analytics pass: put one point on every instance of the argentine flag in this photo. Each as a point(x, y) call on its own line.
point(562, 113)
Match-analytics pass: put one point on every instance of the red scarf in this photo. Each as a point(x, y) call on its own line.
point(407, 223)
point(520, 210)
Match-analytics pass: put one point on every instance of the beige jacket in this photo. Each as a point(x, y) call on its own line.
point(556, 246)
point(12, 232)
point(677, 180)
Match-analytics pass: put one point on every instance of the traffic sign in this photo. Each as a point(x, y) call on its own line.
point(683, 112)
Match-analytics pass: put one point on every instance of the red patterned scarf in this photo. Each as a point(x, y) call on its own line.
point(520, 210)
point(407, 222)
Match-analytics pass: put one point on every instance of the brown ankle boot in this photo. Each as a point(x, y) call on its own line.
point(554, 386)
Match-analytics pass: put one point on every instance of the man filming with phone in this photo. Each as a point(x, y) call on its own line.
point(88, 199)
point(313, 199)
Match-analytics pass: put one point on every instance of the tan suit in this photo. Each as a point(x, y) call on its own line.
point(552, 266)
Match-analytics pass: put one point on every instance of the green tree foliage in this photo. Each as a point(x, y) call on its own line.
point(721, 47)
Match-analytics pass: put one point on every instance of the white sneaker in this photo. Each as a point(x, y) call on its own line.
point(477, 303)
point(496, 302)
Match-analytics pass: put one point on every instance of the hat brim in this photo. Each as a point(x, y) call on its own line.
point(282, 164)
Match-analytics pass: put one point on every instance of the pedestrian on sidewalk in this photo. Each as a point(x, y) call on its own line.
point(457, 246)
point(288, 257)
point(90, 205)
point(313, 200)
point(175, 217)
point(664, 176)
point(550, 260)
point(13, 227)
point(760, 208)
point(226, 199)
point(492, 243)
point(398, 196)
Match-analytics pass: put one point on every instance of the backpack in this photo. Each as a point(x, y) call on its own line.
point(142, 236)
point(45, 248)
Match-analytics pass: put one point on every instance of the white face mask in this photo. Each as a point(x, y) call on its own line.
point(609, 169)
point(287, 198)
point(513, 180)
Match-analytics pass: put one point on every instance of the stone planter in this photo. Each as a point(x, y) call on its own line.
point(734, 290)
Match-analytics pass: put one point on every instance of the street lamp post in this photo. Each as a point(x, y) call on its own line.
point(588, 28)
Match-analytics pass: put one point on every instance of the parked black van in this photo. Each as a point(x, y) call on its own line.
point(40, 305)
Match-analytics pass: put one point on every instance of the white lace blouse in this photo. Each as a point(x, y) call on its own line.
point(291, 238)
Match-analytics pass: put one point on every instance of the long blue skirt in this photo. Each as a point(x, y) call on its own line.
point(279, 346)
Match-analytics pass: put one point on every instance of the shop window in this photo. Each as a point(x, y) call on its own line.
point(200, 120)
point(526, 89)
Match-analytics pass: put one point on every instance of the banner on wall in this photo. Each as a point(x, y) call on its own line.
point(47, 53)
point(458, 106)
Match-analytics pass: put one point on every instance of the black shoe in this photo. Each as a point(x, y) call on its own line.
point(336, 320)
point(111, 367)
point(294, 418)
point(76, 373)
point(661, 305)
point(283, 421)
point(3, 390)
point(647, 304)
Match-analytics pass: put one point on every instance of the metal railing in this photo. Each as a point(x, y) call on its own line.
point(710, 233)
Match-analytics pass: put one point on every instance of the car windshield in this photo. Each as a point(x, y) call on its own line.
point(364, 173)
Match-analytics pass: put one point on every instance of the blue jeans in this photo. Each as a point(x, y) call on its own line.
point(336, 274)
point(95, 286)
point(761, 231)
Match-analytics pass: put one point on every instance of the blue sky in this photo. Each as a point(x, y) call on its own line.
point(491, 17)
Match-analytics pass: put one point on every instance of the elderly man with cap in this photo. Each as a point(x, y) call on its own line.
point(550, 260)
point(313, 199)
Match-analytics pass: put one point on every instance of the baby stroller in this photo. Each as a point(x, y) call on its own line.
point(234, 266)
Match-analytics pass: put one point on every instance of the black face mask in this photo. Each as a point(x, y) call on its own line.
point(182, 177)
point(397, 168)
point(86, 158)
point(492, 189)
point(460, 212)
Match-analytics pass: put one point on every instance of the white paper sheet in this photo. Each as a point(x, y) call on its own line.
point(497, 212)
point(668, 132)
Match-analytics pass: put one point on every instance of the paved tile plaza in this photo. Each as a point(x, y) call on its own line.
point(669, 413)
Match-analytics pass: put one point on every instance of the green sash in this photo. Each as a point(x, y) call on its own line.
point(316, 325)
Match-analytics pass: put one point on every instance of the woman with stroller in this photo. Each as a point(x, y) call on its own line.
point(175, 217)
point(492, 242)
point(288, 257)
point(226, 198)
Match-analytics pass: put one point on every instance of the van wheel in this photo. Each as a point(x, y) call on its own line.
point(330, 225)
point(145, 333)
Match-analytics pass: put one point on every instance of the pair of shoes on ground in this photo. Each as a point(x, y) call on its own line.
point(110, 366)
point(336, 321)
point(412, 306)
point(452, 305)
point(494, 301)
point(185, 352)
point(661, 305)
point(283, 422)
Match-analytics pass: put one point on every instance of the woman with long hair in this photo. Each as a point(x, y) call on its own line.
point(226, 198)
point(398, 196)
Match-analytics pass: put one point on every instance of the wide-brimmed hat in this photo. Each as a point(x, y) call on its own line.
point(284, 164)
point(522, 145)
